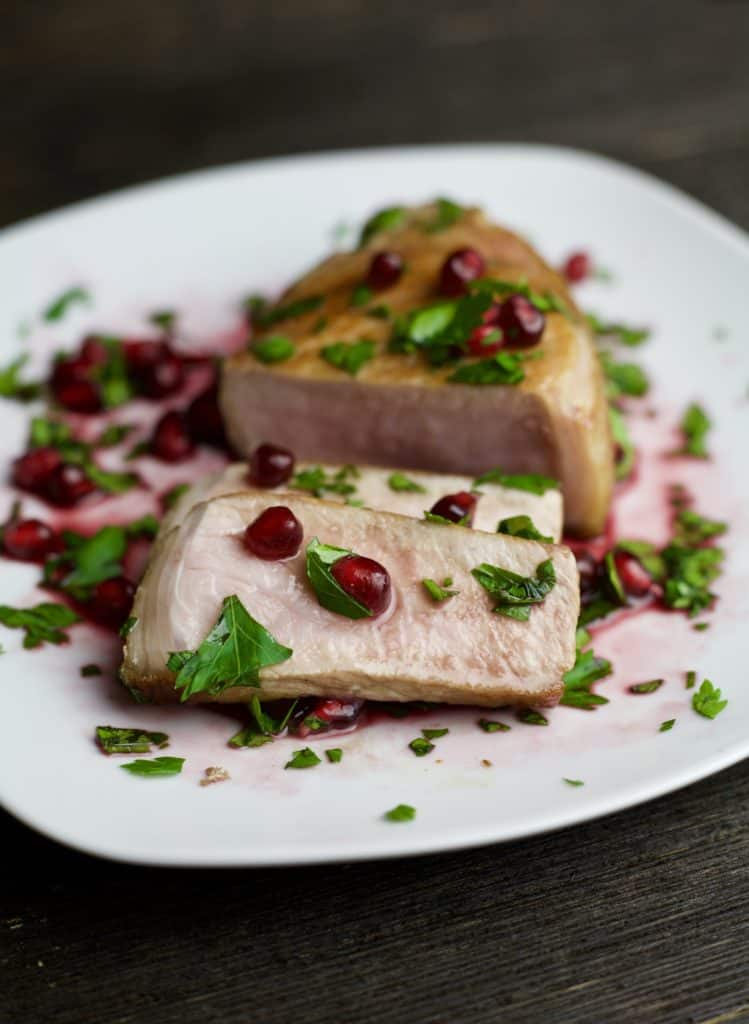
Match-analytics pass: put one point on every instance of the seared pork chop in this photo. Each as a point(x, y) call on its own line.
point(399, 409)
point(457, 651)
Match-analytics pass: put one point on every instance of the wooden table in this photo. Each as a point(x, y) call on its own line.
point(638, 918)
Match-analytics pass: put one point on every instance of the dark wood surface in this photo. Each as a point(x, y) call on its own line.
point(638, 918)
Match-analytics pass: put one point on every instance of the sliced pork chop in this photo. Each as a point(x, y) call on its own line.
point(374, 491)
point(397, 410)
point(456, 651)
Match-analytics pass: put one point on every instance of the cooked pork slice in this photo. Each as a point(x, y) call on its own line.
point(386, 402)
point(457, 650)
point(377, 488)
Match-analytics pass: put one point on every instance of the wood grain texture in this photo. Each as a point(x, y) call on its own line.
point(638, 918)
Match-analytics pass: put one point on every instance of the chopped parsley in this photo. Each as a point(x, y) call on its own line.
point(631, 336)
point(155, 766)
point(690, 680)
point(608, 595)
point(625, 449)
point(114, 434)
point(497, 288)
point(381, 312)
point(646, 554)
point(349, 356)
point(587, 670)
point(57, 309)
point(624, 378)
point(115, 740)
point(434, 734)
point(402, 812)
point(172, 496)
point(695, 425)
point(531, 717)
point(305, 758)
point(533, 483)
point(11, 385)
point(400, 482)
point(320, 560)
point(128, 626)
point(447, 214)
point(707, 700)
point(502, 368)
point(265, 316)
point(384, 220)
point(649, 687)
point(433, 517)
point(421, 746)
point(232, 654)
point(317, 482)
point(44, 623)
point(274, 349)
point(263, 727)
point(488, 725)
point(689, 573)
point(361, 295)
point(437, 592)
point(440, 331)
point(56, 434)
point(334, 755)
point(522, 526)
point(574, 782)
point(667, 725)
point(319, 325)
point(515, 594)
point(166, 319)
point(86, 561)
point(693, 528)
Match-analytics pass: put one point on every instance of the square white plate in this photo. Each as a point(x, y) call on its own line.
point(201, 242)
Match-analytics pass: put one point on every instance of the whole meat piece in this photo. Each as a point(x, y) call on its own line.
point(387, 402)
point(458, 650)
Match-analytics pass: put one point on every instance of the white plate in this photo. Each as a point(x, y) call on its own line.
point(202, 241)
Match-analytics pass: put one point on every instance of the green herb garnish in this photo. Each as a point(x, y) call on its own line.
point(691, 679)
point(447, 214)
point(515, 594)
point(433, 517)
point(649, 687)
point(334, 755)
point(522, 526)
point(317, 482)
point(497, 288)
point(172, 496)
point(402, 812)
point(488, 725)
point(574, 782)
point(502, 368)
point(440, 332)
point(274, 349)
point(434, 734)
point(400, 482)
point(624, 378)
point(421, 747)
point(86, 561)
point(232, 654)
point(155, 766)
point(114, 434)
point(44, 623)
point(631, 336)
point(437, 592)
point(694, 529)
point(305, 758)
point(667, 726)
point(11, 386)
point(695, 425)
point(115, 740)
point(90, 670)
point(59, 307)
point(128, 626)
point(384, 220)
point(689, 573)
point(265, 317)
point(381, 312)
point(320, 560)
point(707, 701)
point(646, 554)
point(349, 356)
point(361, 295)
point(587, 670)
point(163, 318)
point(625, 459)
point(533, 483)
point(530, 717)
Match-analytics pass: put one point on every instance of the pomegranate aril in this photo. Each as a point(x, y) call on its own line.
point(635, 579)
point(316, 715)
point(270, 465)
point(73, 387)
point(521, 322)
point(94, 351)
point(456, 507)
point(485, 340)
point(275, 534)
point(384, 270)
point(171, 440)
point(67, 485)
point(32, 471)
point(111, 602)
point(162, 378)
point(205, 420)
point(30, 540)
point(459, 269)
point(140, 354)
point(365, 580)
point(577, 267)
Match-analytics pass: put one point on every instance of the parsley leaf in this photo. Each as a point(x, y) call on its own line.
point(433, 517)
point(384, 220)
point(400, 482)
point(163, 318)
point(128, 626)
point(56, 434)
point(172, 496)
point(533, 483)
point(421, 746)
point(274, 349)
point(502, 368)
point(646, 554)
point(361, 295)
point(437, 592)
point(707, 700)
point(624, 378)
point(330, 594)
point(689, 573)
point(630, 336)
point(531, 717)
point(579, 679)
point(349, 356)
point(11, 386)
point(154, 767)
point(447, 214)
point(315, 480)
point(434, 734)
point(305, 758)
point(695, 425)
point(690, 680)
point(114, 434)
point(694, 529)
point(513, 593)
point(265, 317)
point(667, 725)
point(115, 740)
point(86, 561)
point(522, 526)
point(545, 302)
point(334, 755)
point(402, 812)
point(490, 726)
point(574, 782)
point(59, 307)
point(44, 623)
point(439, 331)
point(625, 449)
point(231, 655)
point(649, 687)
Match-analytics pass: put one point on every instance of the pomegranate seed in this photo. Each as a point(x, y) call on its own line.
point(30, 540)
point(315, 715)
point(94, 351)
point(590, 574)
point(479, 346)
point(577, 267)
point(384, 270)
point(275, 534)
point(32, 470)
point(73, 387)
point(205, 420)
point(365, 580)
point(111, 602)
point(67, 485)
point(140, 354)
point(456, 507)
point(171, 440)
point(460, 268)
point(270, 465)
point(162, 378)
point(521, 323)
point(635, 579)
point(491, 316)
